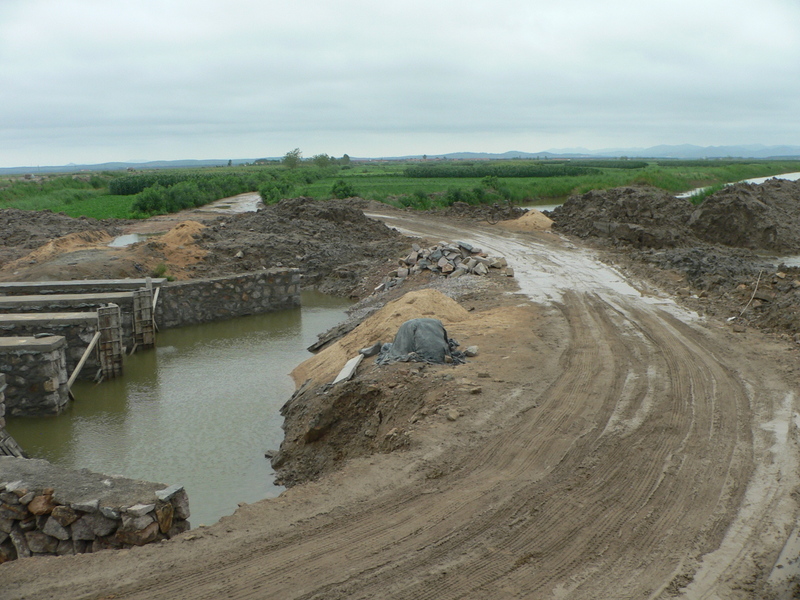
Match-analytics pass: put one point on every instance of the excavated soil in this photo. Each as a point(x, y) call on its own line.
point(339, 250)
point(604, 443)
point(726, 258)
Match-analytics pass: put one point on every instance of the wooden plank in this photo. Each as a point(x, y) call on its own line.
point(83, 359)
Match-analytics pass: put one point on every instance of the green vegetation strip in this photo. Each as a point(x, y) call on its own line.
point(416, 184)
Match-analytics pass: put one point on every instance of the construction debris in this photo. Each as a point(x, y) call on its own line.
point(446, 259)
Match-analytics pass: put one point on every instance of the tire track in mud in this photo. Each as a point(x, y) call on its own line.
point(631, 467)
point(557, 502)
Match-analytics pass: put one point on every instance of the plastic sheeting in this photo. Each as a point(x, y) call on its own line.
point(421, 340)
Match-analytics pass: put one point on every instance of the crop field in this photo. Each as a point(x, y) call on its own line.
point(416, 184)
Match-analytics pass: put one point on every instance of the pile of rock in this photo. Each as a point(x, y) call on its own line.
point(449, 260)
point(92, 512)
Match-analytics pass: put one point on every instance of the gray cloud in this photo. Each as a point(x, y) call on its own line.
point(89, 81)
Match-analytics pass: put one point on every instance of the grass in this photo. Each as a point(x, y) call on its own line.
point(88, 195)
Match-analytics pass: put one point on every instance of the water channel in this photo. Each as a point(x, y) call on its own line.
point(201, 409)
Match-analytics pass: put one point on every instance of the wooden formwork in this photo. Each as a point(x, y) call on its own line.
point(144, 335)
point(110, 346)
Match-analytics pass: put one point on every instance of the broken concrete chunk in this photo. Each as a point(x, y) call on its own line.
point(471, 351)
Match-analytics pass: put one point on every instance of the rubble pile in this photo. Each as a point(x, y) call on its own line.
point(449, 260)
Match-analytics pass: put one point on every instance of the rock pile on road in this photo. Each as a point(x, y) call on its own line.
point(449, 260)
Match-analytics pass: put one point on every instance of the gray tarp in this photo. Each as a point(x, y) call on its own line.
point(420, 340)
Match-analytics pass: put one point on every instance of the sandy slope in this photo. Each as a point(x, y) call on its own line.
point(620, 448)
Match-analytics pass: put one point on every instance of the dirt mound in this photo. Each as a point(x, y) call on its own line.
point(338, 249)
point(759, 217)
point(379, 327)
point(382, 408)
point(69, 243)
point(644, 217)
point(23, 230)
point(332, 241)
point(533, 220)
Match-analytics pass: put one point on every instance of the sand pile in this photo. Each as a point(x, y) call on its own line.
point(379, 327)
point(533, 220)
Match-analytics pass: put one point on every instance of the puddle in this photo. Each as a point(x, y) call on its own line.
point(126, 240)
point(247, 202)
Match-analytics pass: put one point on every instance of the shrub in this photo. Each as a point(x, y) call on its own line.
point(342, 189)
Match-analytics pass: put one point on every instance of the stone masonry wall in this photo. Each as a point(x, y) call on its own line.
point(206, 300)
point(46, 304)
point(2, 401)
point(80, 511)
point(36, 375)
point(77, 335)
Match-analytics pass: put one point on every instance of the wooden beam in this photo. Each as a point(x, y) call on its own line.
point(82, 361)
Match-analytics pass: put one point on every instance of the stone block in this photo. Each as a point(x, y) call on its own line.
point(65, 548)
point(168, 492)
point(88, 506)
point(15, 512)
point(42, 504)
point(139, 537)
point(164, 516)
point(139, 510)
point(64, 515)
point(82, 530)
point(133, 523)
point(180, 501)
point(41, 543)
point(99, 524)
point(53, 528)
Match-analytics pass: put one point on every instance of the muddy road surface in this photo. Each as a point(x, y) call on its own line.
point(620, 447)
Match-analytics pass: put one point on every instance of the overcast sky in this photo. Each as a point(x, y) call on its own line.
point(90, 81)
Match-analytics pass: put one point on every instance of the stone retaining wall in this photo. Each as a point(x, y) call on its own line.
point(77, 328)
point(54, 303)
point(8, 445)
point(46, 510)
point(2, 400)
point(36, 375)
point(207, 300)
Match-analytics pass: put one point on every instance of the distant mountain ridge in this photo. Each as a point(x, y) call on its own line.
point(682, 151)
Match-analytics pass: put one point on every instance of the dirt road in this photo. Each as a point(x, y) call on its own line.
point(622, 448)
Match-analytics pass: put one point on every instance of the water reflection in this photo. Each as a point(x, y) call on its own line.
point(200, 409)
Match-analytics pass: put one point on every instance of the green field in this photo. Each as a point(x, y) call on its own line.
point(417, 184)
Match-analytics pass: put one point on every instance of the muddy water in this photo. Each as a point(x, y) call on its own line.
point(201, 409)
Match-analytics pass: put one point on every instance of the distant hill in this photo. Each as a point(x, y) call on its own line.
point(119, 166)
point(689, 151)
point(683, 151)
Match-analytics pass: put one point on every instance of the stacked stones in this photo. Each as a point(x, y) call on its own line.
point(8, 445)
point(37, 521)
point(36, 375)
point(207, 300)
point(2, 401)
point(449, 260)
point(76, 328)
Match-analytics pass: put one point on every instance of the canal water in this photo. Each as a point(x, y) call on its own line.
point(201, 409)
